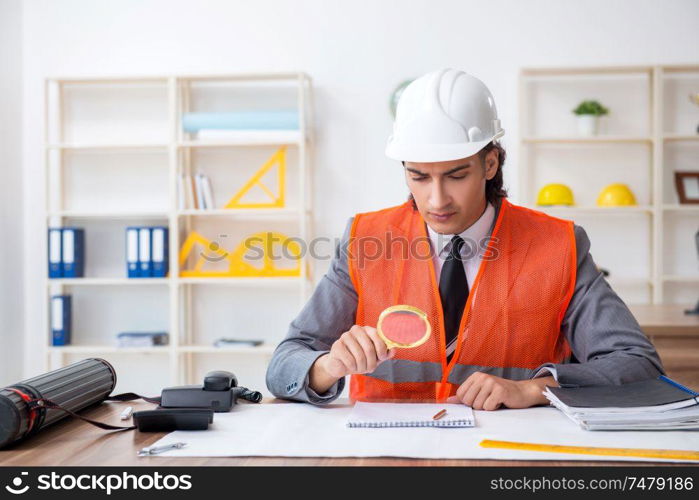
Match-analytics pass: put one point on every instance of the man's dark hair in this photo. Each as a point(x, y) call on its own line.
point(494, 188)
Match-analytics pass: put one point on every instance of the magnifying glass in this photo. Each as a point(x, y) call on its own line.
point(403, 326)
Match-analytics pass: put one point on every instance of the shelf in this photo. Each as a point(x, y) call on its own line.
point(100, 80)
point(674, 278)
point(252, 282)
point(249, 138)
point(629, 281)
point(243, 213)
point(597, 210)
point(134, 145)
point(599, 139)
point(243, 282)
point(109, 215)
point(80, 349)
point(682, 208)
point(108, 281)
point(593, 72)
point(112, 156)
point(681, 137)
point(246, 77)
point(670, 70)
point(265, 349)
point(649, 108)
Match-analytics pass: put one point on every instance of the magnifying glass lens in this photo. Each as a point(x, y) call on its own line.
point(404, 327)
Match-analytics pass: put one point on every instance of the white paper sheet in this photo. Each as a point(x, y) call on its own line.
point(303, 430)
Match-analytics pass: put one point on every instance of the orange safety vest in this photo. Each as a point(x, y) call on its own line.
point(511, 322)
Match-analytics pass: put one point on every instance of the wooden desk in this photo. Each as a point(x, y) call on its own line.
point(72, 442)
point(676, 338)
point(666, 320)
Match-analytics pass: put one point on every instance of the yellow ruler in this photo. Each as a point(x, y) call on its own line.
point(593, 450)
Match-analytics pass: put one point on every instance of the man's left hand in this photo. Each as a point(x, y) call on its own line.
point(482, 391)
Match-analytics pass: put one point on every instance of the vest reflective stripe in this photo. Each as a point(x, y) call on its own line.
point(511, 320)
point(403, 370)
point(459, 373)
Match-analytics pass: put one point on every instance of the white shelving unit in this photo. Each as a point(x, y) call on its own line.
point(649, 133)
point(114, 148)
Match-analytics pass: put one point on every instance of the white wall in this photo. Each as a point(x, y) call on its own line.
point(356, 52)
point(11, 251)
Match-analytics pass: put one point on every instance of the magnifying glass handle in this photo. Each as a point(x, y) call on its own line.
point(390, 345)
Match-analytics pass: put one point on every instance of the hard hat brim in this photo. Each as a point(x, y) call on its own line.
point(427, 153)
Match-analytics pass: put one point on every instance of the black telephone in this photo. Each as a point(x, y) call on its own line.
point(219, 393)
point(191, 407)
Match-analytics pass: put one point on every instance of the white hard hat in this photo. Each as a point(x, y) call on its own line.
point(443, 115)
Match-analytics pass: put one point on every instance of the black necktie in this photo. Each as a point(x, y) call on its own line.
point(453, 290)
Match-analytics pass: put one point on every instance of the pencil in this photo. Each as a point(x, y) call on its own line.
point(440, 414)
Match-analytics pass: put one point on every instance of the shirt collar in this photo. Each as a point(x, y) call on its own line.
point(474, 233)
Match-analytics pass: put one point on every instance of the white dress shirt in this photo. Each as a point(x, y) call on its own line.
point(475, 238)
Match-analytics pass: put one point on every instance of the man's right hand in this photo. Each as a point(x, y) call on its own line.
point(359, 350)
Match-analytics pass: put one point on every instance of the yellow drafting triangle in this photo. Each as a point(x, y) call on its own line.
point(273, 246)
point(237, 265)
point(277, 200)
point(187, 248)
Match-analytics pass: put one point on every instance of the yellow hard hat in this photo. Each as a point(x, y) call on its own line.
point(555, 194)
point(616, 195)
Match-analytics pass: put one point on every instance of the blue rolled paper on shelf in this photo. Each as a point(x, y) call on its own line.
point(241, 120)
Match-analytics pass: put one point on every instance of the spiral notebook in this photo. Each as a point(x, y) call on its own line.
point(409, 415)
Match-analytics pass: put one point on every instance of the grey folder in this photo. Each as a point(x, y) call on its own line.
point(652, 392)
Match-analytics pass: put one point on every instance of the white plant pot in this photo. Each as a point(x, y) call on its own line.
point(588, 124)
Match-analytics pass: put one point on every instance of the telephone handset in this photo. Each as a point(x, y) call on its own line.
point(218, 393)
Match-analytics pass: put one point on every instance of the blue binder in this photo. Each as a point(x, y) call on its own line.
point(55, 254)
point(73, 252)
point(132, 263)
point(144, 253)
point(159, 251)
point(60, 319)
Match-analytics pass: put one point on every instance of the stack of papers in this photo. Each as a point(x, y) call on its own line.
point(657, 404)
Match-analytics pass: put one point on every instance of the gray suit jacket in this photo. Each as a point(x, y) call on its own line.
point(607, 342)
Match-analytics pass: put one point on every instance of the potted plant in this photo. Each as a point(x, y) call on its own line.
point(588, 115)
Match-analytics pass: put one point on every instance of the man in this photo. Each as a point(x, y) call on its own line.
point(513, 296)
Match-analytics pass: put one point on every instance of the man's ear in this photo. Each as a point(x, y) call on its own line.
point(491, 163)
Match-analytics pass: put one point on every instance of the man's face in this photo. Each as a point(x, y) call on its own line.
point(450, 195)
